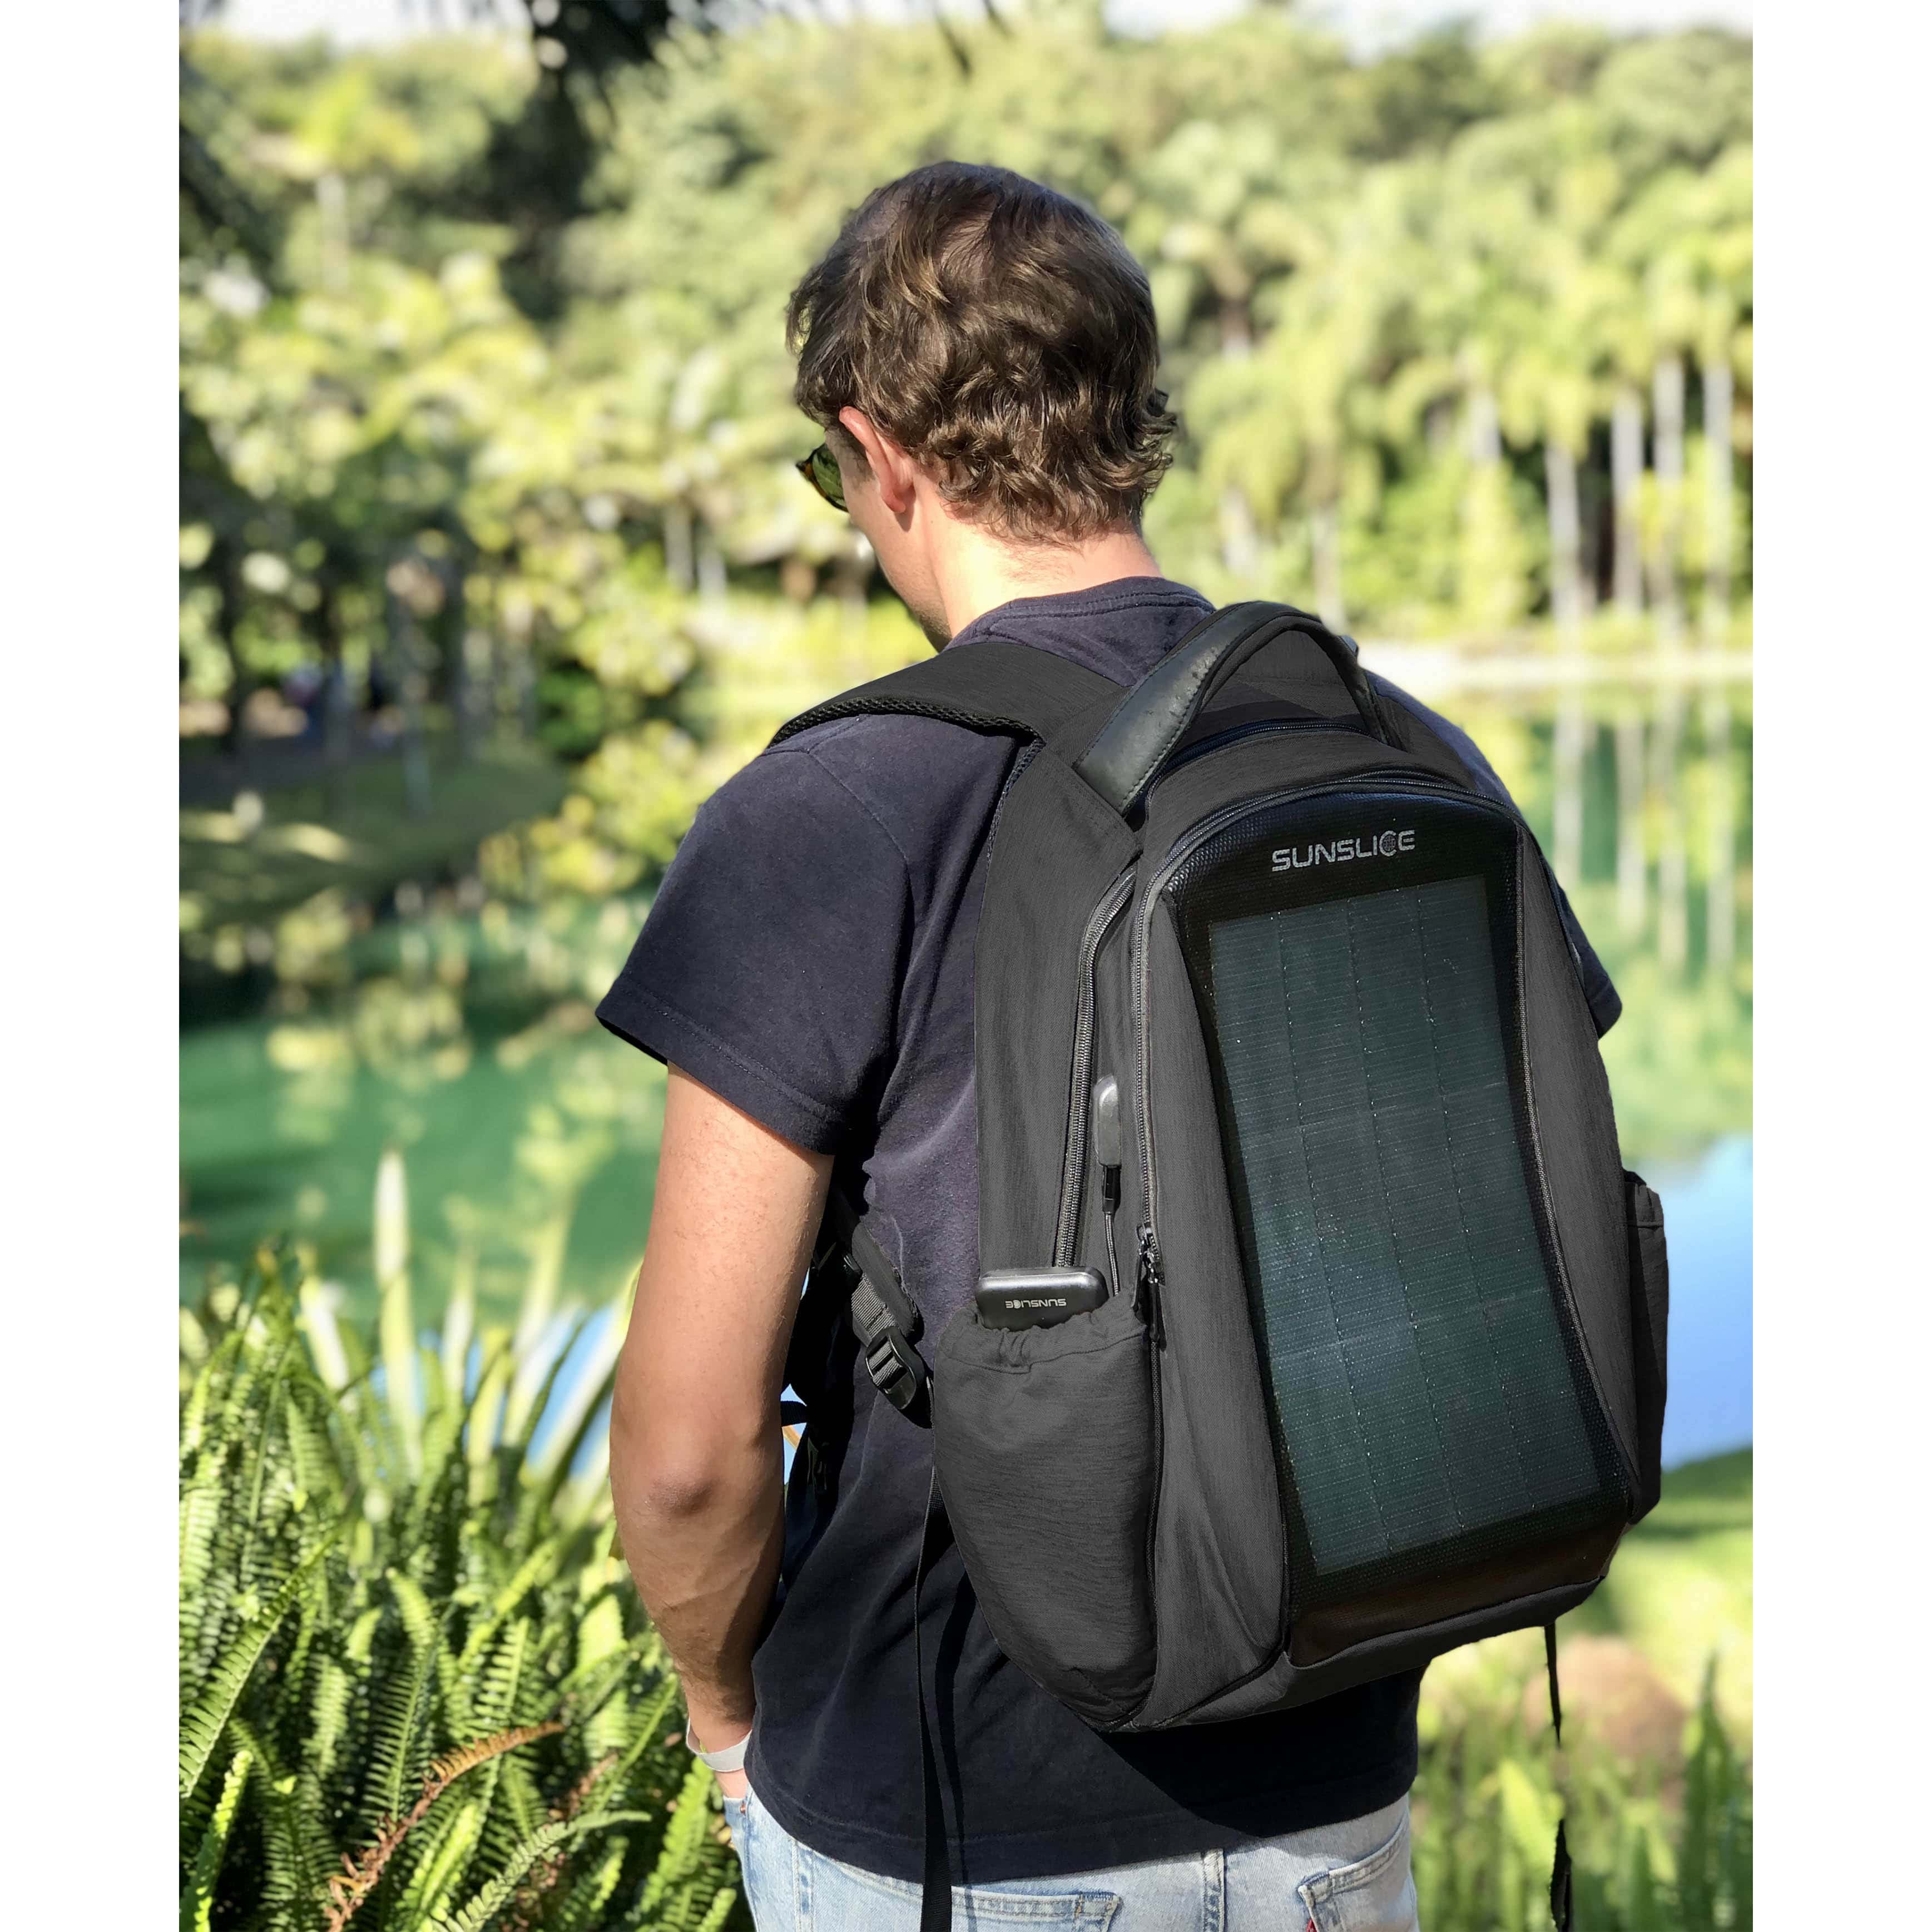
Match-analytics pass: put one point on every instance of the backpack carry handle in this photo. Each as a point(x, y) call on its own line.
point(1136, 741)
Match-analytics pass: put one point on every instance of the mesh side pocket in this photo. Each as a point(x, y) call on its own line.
point(1650, 1326)
point(1045, 1444)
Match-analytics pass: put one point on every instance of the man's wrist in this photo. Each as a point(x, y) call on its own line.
point(727, 1757)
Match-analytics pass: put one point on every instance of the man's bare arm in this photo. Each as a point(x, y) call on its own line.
point(696, 1469)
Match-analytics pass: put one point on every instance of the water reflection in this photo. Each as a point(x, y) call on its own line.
point(1707, 1211)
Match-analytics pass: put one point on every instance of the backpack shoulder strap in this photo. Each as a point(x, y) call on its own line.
point(991, 685)
point(1003, 688)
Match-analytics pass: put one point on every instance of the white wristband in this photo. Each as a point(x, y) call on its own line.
point(732, 1758)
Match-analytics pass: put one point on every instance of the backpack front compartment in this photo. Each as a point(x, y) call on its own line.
point(1351, 1413)
point(1327, 999)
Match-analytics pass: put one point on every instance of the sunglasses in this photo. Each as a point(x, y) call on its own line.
point(820, 470)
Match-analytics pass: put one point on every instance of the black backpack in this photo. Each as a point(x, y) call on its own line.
point(1321, 1329)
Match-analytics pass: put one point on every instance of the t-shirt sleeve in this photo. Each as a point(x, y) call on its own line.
point(768, 967)
point(1605, 1003)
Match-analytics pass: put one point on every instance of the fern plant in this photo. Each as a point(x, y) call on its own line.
point(417, 1693)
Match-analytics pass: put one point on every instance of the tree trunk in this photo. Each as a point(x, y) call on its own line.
point(523, 669)
point(464, 658)
point(1490, 570)
point(1566, 537)
point(710, 568)
point(1237, 333)
point(338, 709)
point(479, 691)
point(1566, 597)
point(406, 673)
point(677, 546)
point(1626, 479)
point(1633, 873)
point(1667, 405)
point(1240, 541)
point(1721, 858)
point(1486, 435)
point(1717, 460)
point(1324, 536)
point(512, 679)
point(850, 572)
point(223, 565)
point(331, 201)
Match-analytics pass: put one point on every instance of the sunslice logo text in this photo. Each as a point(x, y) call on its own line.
point(1375, 845)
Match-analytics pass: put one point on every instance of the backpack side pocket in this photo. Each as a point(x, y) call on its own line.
point(1650, 1323)
point(1045, 1440)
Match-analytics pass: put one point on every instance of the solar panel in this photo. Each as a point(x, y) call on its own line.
point(1424, 1389)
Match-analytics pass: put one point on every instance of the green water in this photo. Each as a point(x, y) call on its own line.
point(465, 1039)
point(264, 1149)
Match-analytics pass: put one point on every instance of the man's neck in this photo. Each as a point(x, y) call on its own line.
point(975, 573)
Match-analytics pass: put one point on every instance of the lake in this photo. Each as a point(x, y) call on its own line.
point(264, 1147)
point(1707, 1215)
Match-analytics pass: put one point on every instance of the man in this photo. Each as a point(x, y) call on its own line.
point(982, 355)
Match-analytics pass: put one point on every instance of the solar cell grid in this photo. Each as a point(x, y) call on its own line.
point(1417, 1370)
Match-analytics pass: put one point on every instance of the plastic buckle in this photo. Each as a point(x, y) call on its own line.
point(895, 1366)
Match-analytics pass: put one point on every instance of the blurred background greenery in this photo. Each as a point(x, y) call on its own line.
point(493, 565)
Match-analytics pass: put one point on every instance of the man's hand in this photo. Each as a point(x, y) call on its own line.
point(696, 1466)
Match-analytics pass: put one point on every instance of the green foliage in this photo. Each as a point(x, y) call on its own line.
point(418, 1693)
point(1680, 1591)
point(417, 1690)
point(485, 398)
point(532, 451)
point(1386, 288)
point(1651, 1854)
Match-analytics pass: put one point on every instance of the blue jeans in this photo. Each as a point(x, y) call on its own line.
point(1350, 1877)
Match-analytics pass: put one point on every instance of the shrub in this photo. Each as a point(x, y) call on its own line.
point(1649, 1857)
point(418, 1693)
point(417, 1689)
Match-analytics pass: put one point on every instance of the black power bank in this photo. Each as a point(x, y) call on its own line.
point(1037, 1298)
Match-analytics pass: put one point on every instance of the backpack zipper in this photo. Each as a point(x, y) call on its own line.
point(1253, 728)
point(1073, 1173)
point(1151, 1276)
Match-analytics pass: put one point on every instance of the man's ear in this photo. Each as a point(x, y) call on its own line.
point(892, 469)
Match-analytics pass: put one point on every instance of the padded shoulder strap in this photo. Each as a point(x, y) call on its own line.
point(992, 685)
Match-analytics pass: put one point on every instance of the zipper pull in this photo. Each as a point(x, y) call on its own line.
point(1147, 1283)
point(1106, 1113)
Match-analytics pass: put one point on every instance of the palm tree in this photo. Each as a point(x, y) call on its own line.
point(1648, 241)
point(1546, 399)
point(1220, 211)
point(1673, 863)
point(1550, 394)
point(1719, 245)
point(1478, 309)
point(1319, 353)
point(1687, 238)
point(1627, 480)
point(1720, 892)
point(1628, 348)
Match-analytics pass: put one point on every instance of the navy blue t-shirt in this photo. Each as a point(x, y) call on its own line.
point(809, 958)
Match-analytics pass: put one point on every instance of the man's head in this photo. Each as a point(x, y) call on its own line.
point(982, 354)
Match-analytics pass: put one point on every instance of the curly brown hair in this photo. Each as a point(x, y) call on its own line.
point(1001, 334)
